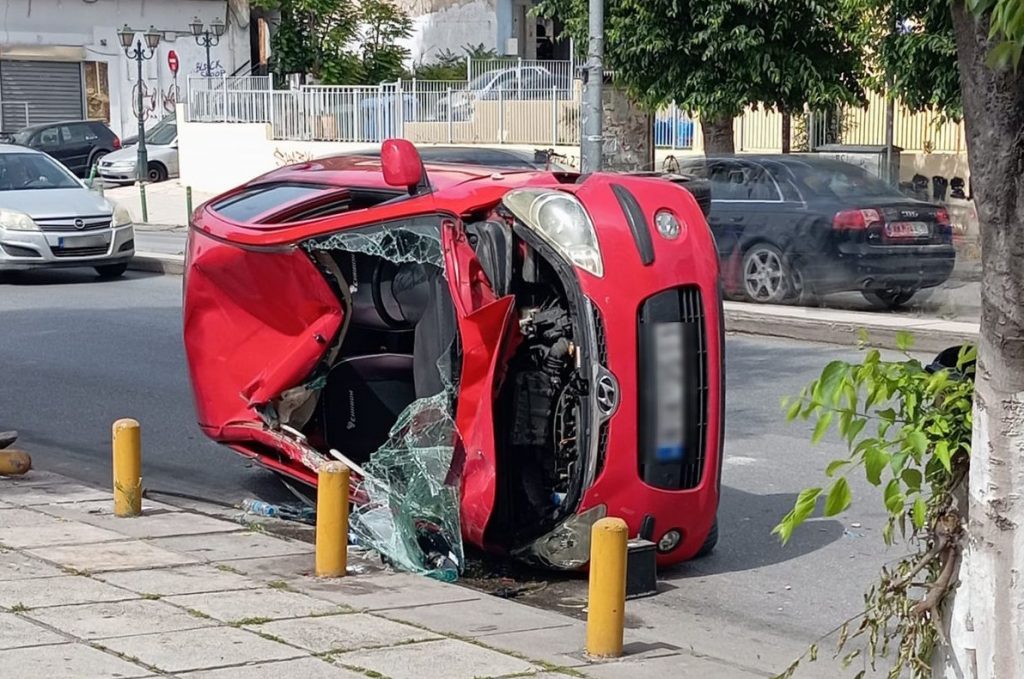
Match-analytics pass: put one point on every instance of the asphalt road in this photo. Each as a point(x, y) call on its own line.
point(77, 353)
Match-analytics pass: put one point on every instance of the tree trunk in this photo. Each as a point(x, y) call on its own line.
point(987, 616)
point(787, 132)
point(718, 136)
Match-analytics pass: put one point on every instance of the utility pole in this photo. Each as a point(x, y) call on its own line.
point(592, 142)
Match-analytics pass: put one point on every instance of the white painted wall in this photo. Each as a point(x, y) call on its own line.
point(450, 24)
point(33, 25)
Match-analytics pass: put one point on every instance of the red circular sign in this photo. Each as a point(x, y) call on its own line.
point(172, 61)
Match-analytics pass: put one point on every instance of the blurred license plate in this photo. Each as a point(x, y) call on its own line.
point(75, 242)
point(907, 230)
point(668, 338)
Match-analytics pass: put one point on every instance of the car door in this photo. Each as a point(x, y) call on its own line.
point(77, 147)
point(48, 140)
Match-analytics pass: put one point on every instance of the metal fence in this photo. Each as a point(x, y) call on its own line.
point(480, 71)
point(673, 128)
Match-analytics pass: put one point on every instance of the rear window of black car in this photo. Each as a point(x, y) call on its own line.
point(257, 200)
point(839, 180)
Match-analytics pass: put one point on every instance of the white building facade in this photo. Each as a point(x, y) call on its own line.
point(62, 59)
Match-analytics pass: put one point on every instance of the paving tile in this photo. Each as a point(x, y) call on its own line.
point(679, 665)
point(249, 604)
point(110, 556)
point(201, 649)
point(60, 591)
point(117, 619)
point(271, 568)
point(16, 632)
point(157, 519)
point(66, 661)
point(230, 546)
point(44, 494)
point(382, 591)
point(446, 659)
point(24, 529)
point(562, 647)
point(18, 566)
point(343, 632)
point(181, 580)
point(307, 668)
point(479, 618)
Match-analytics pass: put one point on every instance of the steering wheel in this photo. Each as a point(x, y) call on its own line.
point(378, 297)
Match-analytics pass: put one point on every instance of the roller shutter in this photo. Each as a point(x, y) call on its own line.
point(52, 89)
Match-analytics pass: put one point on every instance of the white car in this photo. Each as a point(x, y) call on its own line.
point(48, 218)
point(161, 156)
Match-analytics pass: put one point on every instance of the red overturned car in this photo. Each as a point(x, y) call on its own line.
point(502, 357)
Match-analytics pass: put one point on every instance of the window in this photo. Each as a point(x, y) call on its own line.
point(26, 171)
point(73, 134)
point(732, 180)
point(259, 200)
point(97, 91)
point(49, 137)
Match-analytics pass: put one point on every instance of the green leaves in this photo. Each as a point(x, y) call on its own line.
point(839, 497)
point(921, 421)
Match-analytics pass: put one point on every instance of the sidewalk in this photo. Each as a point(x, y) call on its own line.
point(176, 593)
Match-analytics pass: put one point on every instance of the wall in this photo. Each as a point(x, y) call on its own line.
point(43, 27)
point(450, 24)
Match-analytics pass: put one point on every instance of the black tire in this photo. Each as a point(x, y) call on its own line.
point(766, 276)
point(95, 161)
point(709, 542)
point(107, 271)
point(157, 173)
point(889, 299)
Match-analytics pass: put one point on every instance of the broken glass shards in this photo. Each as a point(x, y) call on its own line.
point(410, 240)
point(412, 513)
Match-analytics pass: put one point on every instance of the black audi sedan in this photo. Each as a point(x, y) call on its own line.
point(796, 225)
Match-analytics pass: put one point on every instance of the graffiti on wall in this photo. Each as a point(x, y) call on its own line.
point(149, 100)
point(282, 157)
point(216, 70)
point(171, 97)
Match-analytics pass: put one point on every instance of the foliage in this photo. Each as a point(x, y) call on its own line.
point(339, 41)
point(1006, 21)
point(449, 65)
point(908, 430)
point(384, 25)
point(732, 53)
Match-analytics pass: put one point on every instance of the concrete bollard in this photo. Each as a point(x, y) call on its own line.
point(127, 448)
point(332, 520)
point(606, 611)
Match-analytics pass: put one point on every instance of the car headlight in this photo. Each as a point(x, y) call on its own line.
point(559, 218)
point(12, 220)
point(121, 216)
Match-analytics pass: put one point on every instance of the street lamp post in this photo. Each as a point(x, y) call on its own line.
point(207, 37)
point(140, 53)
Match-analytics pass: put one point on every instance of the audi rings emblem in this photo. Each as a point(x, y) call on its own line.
point(79, 224)
point(607, 394)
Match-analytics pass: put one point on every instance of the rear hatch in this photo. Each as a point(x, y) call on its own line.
point(895, 222)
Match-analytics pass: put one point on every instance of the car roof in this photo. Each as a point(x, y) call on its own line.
point(41, 126)
point(15, 148)
point(807, 159)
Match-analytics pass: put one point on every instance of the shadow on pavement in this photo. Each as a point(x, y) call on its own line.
point(745, 535)
point(70, 276)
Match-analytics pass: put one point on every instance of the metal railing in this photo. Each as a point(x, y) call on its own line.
point(673, 128)
point(563, 71)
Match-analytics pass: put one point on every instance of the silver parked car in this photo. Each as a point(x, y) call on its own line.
point(48, 218)
point(161, 151)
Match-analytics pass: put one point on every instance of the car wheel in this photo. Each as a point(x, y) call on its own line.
point(95, 161)
point(889, 299)
point(766, 276)
point(112, 270)
point(709, 542)
point(157, 173)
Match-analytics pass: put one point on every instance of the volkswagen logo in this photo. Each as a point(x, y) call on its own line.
point(79, 224)
point(607, 394)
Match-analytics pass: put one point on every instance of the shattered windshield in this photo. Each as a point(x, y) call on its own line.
point(409, 497)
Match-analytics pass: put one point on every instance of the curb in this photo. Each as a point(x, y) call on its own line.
point(829, 326)
point(173, 265)
point(843, 327)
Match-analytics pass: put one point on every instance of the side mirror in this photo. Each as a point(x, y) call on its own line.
point(401, 164)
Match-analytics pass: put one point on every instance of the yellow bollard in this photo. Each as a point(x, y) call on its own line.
point(606, 610)
point(127, 468)
point(332, 520)
point(14, 462)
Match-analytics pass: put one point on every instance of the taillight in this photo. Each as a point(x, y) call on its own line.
point(942, 217)
point(117, 143)
point(855, 220)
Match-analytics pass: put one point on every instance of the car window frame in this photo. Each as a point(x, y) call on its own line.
point(747, 166)
point(38, 138)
